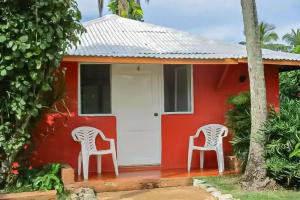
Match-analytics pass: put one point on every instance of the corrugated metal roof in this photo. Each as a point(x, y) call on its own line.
point(115, 36)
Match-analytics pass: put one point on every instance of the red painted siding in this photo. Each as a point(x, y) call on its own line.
point(209, 107)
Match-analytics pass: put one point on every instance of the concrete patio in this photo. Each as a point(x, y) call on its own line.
point(174, 193)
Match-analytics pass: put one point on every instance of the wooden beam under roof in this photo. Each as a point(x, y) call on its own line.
point(137, 60)
point(276, 62)
point(141, 60)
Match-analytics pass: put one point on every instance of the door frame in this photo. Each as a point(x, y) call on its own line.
point(160, 105)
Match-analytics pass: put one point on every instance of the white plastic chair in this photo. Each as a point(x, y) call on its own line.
point(214, 134)
point(87, 137)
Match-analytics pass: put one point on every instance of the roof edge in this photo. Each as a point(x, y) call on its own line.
point(146, 60)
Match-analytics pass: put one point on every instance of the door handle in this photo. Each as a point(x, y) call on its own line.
point(156, 114)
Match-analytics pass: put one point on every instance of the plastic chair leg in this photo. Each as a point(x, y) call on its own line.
point(190, 154)
point(79, 163)
point(220, 159)
point(201, 159)
point(85, 163)
point(114, 157)
point(99, 164)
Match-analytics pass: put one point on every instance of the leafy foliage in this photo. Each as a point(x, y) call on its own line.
point(34, 35)
point(126, 8)
point(282, 137)
point(113, 6)
point(44, 178)
point(238, 120)
point(293, 38)
point(290, 84)
point(267, 33)
point(283, 134)
point(296, 151)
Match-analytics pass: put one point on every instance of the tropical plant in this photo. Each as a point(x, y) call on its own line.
point(47, 177)
point(267, 33)
point(290, 84)
point(128, 9)
point(238, 120)
point(296, 49)
point(296, 151)
point(268, 36)
point(293, 39)
point(34, 35)
point(255, 176)
point(282, 141)
point(125, 8)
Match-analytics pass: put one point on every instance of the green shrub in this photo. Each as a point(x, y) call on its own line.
point(282, 135)
point(296, 151)
point(44, 178)
point(34, 36)
point(290, 84)
point(238, 120)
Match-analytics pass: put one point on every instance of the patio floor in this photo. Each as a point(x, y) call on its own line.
point(174, 193)
point(142, 178)
point(153, 173)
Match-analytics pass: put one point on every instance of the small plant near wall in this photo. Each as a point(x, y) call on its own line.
point(290, 85)
point(44, 178)
point(238, 120)
point(282, 131)
point(282, 144)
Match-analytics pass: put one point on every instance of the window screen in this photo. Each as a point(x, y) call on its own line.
point(177, 88)
point(95, 95)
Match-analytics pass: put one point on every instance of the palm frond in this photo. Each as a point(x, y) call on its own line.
point(292, 38)
point(267, 33)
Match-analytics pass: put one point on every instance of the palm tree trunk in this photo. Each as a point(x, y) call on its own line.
point(123, 7)
point(255, 174)
point(100, 7)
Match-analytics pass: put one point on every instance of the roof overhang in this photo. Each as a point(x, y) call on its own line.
point(276, 62)
point(145, 60)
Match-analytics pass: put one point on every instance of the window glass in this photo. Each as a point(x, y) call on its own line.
point(95, 89)
point(177, 88)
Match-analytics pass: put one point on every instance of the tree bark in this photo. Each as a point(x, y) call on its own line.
point(255, 174)
point(123, 7)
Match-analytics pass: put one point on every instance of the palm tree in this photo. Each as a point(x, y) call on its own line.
point(267, 36)
point(267, 33)
point(292, 38)
point(100, 7)
point(123, 4)
point(255, 173)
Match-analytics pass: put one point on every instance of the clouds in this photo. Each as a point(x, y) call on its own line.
point(216, 19)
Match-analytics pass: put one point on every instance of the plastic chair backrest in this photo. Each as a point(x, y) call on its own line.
point(213, 133)
point(87, 137)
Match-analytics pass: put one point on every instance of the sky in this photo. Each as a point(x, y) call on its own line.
point(214, 19)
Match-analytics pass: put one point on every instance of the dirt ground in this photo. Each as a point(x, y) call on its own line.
point(173, 193)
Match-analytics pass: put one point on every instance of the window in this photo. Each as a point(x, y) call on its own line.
point(95, 95)
point(177, 88)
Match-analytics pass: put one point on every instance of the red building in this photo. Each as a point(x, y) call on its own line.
point(149, 88)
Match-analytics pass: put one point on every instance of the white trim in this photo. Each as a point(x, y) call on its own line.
point(79, 91)
point(191, 94)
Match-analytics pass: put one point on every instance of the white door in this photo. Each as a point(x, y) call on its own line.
point(136, 97)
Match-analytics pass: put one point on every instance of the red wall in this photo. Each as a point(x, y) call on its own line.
point(209, 107)
point(53, 136)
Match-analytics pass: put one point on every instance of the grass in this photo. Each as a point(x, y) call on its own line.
point(230, 185)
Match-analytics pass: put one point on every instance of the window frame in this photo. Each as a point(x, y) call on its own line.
point(79, 91)
point(191, 97)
